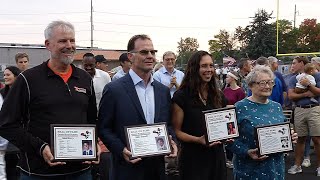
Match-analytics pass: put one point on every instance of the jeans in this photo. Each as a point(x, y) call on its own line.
point(84, 175)
point(307, 147)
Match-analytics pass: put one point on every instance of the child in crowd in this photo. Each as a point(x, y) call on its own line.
point(309, 70)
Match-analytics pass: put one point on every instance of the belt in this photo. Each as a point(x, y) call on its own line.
point(308, 106)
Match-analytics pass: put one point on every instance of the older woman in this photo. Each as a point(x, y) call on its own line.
point(257, 110)
point(198, 92)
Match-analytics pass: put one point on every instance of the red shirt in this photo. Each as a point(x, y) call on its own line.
point(233, 96)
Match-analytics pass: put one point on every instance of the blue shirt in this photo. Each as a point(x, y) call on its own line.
point(118, 75)
point(164, 77)
point(146, 96)
point(306, 100)
point(288, 102)
point(250, 115)
point(280, 77)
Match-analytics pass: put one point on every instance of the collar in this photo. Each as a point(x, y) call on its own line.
point(75, 72)
point(136, 79)
point(164, 70)
point(97, 73)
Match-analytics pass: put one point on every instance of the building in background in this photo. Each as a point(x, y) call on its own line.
point(38, 53)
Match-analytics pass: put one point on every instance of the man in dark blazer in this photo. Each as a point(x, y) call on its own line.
point(134, 99)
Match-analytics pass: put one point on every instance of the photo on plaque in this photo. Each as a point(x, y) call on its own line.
point(73, 142)
point(87, 147)
point(274, 138)
point(160, 143)
point(221, 124)
point(148, 140)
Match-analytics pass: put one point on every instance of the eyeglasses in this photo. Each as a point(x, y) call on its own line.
point(263, 84)
point(146, 52)
point(170, 59)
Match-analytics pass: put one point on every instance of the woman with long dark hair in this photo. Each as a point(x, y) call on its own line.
point(198, 92)
point(10, 75)
point(11, 158)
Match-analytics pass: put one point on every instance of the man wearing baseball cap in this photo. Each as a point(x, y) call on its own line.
point(125, 63)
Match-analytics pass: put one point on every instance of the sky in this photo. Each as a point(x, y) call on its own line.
point(165, 21)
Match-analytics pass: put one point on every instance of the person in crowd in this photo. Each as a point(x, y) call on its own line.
point(257, 110)
point(306, 160)
point(245, 67)
point(287, 102)
point(171, 77)
point(157, 67)
point(3, 147)
point(168, 74)
point(22, 61)
point(310, 71)
point(145, 101)
point(273, 63)
point(218, 71)
point(100, 78)
point(125, 64)
point(316, 61)
point(54, 92)
point(101, 63)
point(198, 92)
point(233, 93)
point(9, 75)
point(11, 157)
point(306, 114)
point(277, 90)
point(224, 72)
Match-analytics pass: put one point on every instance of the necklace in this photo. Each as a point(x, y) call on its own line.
point(204, 101)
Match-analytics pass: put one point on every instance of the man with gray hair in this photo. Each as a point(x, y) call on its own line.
point(55, 92)
point(277, 91)
point(168, 75)
point(273, 62)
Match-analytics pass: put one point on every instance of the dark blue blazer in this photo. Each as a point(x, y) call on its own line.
point(120, 107)
point(85, 152)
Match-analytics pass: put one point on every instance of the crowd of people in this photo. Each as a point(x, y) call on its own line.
point(142, 93)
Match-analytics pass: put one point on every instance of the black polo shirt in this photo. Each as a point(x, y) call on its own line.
point(37, 99)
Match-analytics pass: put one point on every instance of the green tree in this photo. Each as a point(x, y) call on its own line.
point(258, 38)
point(224, 43)
point(185, 49)
point(288, 36)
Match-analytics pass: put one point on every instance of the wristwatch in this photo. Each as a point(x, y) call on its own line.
point(309, 85)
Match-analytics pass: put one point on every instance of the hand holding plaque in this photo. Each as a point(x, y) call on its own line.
point(148, 140)
point(74, 142)
point(221, 124)
point(274, 138)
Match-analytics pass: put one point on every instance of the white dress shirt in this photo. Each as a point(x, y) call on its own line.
point(100, 79)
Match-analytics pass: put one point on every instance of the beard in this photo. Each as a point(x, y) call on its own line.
point(67, 60)
point(64, 59)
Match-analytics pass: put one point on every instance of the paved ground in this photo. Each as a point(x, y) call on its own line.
point(307, 174)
